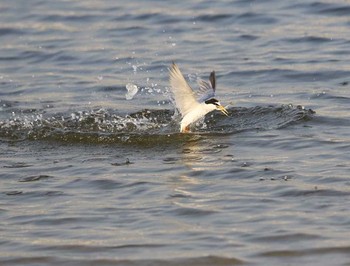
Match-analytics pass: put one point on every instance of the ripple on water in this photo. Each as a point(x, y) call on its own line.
point(267, 185)
point(34, 178)
point(196, 261)
point(18, 165)
point(317, 192)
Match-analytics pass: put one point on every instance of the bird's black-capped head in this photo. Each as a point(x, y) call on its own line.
point(213, 101)
point(217, 105)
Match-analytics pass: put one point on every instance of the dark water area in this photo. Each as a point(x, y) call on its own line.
point(94, 171)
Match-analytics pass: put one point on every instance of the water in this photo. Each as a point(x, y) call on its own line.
point(92, 175)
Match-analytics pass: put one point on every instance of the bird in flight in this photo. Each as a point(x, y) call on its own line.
point(190, 108)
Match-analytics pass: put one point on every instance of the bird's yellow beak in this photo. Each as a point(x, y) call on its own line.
point(223, 110)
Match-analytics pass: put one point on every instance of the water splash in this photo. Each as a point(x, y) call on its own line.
point(106, 126)
point(132, 90)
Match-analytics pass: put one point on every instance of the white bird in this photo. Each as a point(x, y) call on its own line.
point(190, 108)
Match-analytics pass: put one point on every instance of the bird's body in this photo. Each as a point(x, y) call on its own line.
point(199, 110)
point(190, 108)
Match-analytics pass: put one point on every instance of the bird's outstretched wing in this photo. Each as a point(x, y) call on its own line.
point(184, 96)
point(207, 89)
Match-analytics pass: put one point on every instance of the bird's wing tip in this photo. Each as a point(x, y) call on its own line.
point(173, 66)
point(212, 79)
point(174, 70)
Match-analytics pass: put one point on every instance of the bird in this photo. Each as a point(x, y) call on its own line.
point(189, 107)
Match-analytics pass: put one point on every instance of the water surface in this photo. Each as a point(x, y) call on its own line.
point(90, 178)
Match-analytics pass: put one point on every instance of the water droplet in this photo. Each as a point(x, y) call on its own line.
point(132, 90)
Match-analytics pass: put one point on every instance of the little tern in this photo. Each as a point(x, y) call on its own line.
point(190, 108)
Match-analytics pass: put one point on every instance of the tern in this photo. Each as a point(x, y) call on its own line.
point(190, 108)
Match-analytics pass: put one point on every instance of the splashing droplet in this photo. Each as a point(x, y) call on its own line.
point(132, 90)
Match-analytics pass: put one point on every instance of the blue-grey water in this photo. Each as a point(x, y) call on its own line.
point(90, 175)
